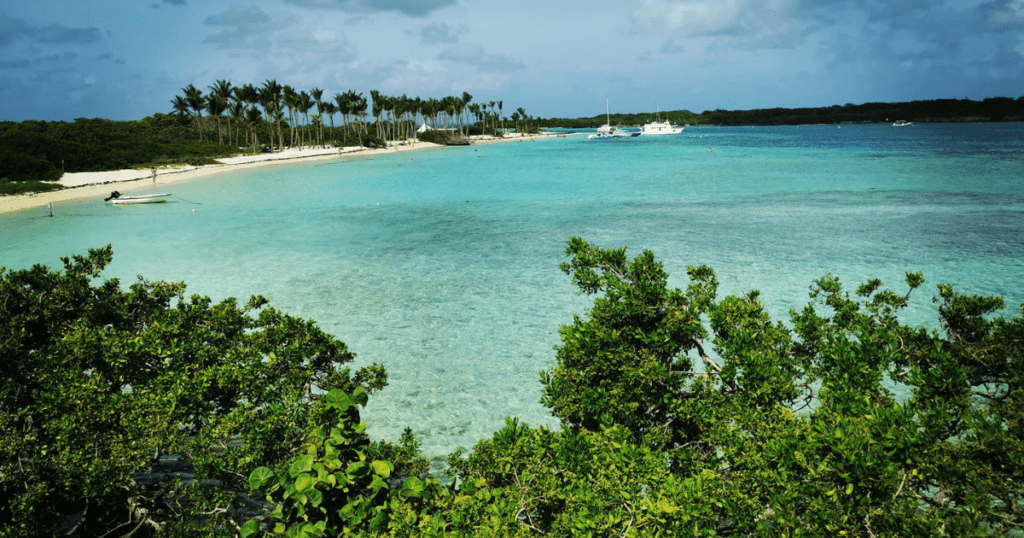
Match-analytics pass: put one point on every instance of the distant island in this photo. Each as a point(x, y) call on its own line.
point(993, 109)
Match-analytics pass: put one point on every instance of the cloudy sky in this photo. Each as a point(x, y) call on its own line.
point(120, 59)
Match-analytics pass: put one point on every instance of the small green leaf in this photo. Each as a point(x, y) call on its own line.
point(315, 497)
point(357, 469)
point(302, 464)
point(360, 397)
point(383, 468)
point(338, 399)
point(304, 481)
point(413, 487)
point(260, 477)
point(251, 527)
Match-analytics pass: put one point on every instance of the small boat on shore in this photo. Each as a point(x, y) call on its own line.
point(117, 198)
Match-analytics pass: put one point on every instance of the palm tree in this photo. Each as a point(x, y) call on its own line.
point(330, 109)
point(270, 98)
point(249, 95)
point(317, 94)
point(500, 113)
point(236, 111)
point(359, 109)
point(253, 117)
point(222, 90)
point(431, 107)
point(217, 106)
point(180, 106)
point(378, 107)
point(291, 102)
point(195, 100)
point(466, 98)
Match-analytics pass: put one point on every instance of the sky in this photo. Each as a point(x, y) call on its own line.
point(123, 60)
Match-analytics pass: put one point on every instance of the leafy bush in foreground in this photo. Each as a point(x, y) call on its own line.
point(98, 385)
point(688, 415)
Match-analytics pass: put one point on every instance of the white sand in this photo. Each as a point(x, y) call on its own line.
point(141, 181)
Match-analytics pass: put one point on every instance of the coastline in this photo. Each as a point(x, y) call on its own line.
point(81, 185)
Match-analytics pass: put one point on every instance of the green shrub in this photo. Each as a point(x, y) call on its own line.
point(18, 166)
point(445, 138)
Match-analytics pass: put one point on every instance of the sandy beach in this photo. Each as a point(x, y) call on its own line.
point(142, 181)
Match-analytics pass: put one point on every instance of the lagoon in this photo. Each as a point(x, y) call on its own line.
point(442, 264)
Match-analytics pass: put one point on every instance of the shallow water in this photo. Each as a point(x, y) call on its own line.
point(443, 264)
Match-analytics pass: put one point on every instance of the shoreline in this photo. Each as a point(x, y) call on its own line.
point(80, 185)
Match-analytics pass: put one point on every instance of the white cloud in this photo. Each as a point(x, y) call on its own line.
point(746, 23)
point(437, 33)
point(473, 54)
point(412, 8)
point(1008, 17)
point(245, 27)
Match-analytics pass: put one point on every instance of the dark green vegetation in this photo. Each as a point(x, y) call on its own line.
point(42, 151)
point(682, 414)
point(937, 110)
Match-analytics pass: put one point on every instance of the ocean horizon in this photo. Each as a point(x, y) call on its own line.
point(442, 265)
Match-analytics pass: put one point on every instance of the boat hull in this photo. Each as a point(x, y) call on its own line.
point(663, 128)
point(145, 199)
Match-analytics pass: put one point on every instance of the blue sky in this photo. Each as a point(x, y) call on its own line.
point(64, 59)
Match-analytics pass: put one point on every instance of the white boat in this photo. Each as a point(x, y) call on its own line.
point(902, 123)
point(117, 198)
point(610, 131)
point(660, 127)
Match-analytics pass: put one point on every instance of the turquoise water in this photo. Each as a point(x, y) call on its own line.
point(443, 264)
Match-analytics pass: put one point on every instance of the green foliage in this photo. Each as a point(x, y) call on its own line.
point(682, 414)
point(333, 488)
point(445, 138)
point(404, 455)
point(44, 150)
point(18, 166)
point(25, 187)
point(845, 422)
point(99, 384)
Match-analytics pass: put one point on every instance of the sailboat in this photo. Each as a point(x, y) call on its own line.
point(608, 130)
point(660, 127)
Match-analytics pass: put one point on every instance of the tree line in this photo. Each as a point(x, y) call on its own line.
point(144, 412)
point(394, 118)
point(992, 109)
